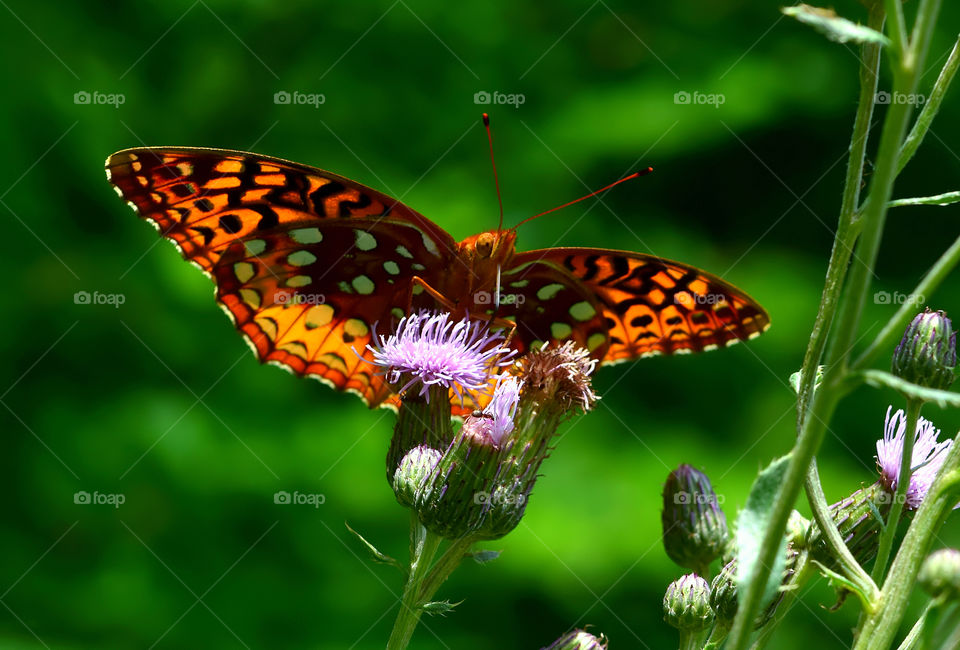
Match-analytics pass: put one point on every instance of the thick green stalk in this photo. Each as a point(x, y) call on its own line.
point(930, 108)
point(889, 531)
point(880, 628)
point(846, 233)
point(851, 307)
point(426, 544)
point(449, 561)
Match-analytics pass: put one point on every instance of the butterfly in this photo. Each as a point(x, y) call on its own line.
point(307, 263)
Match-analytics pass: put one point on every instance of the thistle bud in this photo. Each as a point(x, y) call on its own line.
point(423, 420)
point(940, 574)
point(694, 526)
point(857, 524)
point(578, 640)
point(414, 469)
point(686, 605)
point(723, 592)
point(927, 353)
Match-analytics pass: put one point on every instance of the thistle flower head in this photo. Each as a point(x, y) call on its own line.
point(928, 456)
point(562, 373)
point(686, 605)
point(432, 349)
point(578, 640)
point(496, 419)
point(694, 526)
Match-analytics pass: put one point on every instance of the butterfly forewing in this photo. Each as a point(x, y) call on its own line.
point(306, 262)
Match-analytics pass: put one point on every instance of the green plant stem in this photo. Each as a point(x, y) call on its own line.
point(850, 309)
point(425, 547)
point(893, 330)
point(449, 561)
point(831, 535)
point(847, 231)
point(910, 641)
point(898, 28)
point(880, 628)
point(692, 640)
point(889, 532)
point(803, 572)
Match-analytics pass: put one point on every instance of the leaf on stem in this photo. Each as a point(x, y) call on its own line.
point(842, 585)
point(375, 554)
point(942, 398)
point(752, 526)
point(828, 23)
point(938, 199)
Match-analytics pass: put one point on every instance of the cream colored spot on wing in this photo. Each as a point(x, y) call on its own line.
point(430, 245)
point(404, 252)
point(301, 258)
point(299, 281)
point(583, 311)
point(548, 291)
point(306, 235)
point(333, 361)
point(268, 325)
point(251, 297)
point(595, 341)
point(365, 241)
point(391, 267)
point(363, 285)
point(417, 267)
point(356, 328)
point(244, 271)
point(519, 284)
point(396, 312)
point(344, 287)
point(255, 246)
point(560, 331)
point(318, 316)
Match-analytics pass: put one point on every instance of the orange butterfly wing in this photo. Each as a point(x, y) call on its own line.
point(306, 262)
point(623, 305)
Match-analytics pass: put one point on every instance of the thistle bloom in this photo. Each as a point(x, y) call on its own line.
point(497, 417)
point(928, 456)
point(433, 350)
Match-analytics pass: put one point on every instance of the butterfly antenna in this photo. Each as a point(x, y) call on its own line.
point(496, 181)
point(642, 172)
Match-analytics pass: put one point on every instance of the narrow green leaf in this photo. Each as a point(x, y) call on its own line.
point(942, 398)
point(828, 23)
point(439, 608)
point(375, 554)
point(839, 582)
point(752, 526)
point(937, 199)
point(482, 557)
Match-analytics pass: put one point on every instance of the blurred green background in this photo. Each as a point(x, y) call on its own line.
point(160, 400)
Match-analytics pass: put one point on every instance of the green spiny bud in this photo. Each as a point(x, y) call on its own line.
point(421, 420)
point(927, 353)
point(686, 605)
point(940, 574)
point(723, 592)
point(797, 528)
point(694, 526)
point(857, 523)
point(578, 640)
point(414, 469)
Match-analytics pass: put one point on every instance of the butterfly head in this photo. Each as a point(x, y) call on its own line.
point(493, 246)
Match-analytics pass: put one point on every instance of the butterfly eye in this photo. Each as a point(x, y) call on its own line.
point(485, 244)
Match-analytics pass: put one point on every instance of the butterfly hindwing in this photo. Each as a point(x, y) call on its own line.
point(623, 305)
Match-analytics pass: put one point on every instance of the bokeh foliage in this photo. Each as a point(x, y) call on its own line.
point(161, 401)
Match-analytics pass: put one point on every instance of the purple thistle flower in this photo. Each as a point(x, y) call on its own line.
point(430, 348)
point(502, 408)
point(928, 456)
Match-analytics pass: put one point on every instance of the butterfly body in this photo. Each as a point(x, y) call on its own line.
point(307, 263)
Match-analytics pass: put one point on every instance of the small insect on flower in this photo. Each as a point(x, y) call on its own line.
point(928, 456)
point(432, 349)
